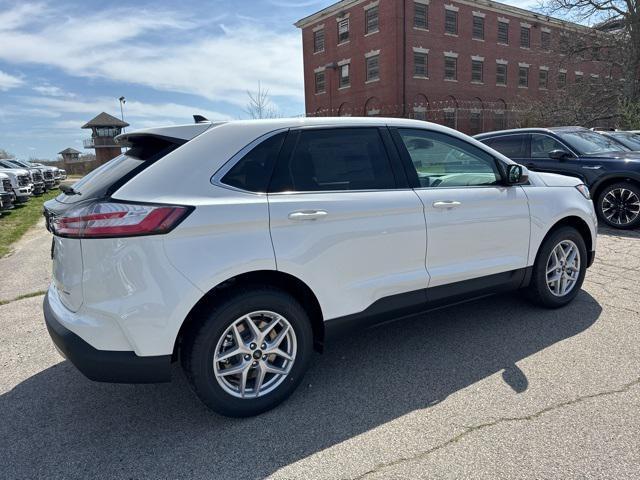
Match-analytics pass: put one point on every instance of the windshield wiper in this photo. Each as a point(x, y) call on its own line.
point(67, 190)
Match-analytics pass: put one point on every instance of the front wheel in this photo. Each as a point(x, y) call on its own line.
point(560, 269)
point(619, 205)
point(249, 352)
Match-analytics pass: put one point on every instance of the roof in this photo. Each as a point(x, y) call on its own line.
point(487, 4)
point(105, 120)
point(69, 150)
point(528, 130)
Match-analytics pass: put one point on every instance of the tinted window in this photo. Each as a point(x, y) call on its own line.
point(444, 161)
point(253, 171)
point(100, 182)
point(334, 159)
point(541, 145)
point(511, 146)
point(587, 142)
point(630, 140)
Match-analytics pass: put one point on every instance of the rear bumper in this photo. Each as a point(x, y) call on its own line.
point(102, 365)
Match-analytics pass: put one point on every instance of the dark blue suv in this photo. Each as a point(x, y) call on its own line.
point(610, 169)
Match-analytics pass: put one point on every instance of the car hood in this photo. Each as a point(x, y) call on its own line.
point(630, 156)
point(14, 171)
point(556, 180)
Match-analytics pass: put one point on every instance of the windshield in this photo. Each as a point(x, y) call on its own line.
point(630, 140)
point(586, 142)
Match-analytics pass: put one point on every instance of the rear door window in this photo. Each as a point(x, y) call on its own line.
point(339, 159)
point(511, 146)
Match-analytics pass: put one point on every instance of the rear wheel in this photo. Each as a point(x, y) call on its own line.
point(249, 352)
point(560, 269)
point(619, 205)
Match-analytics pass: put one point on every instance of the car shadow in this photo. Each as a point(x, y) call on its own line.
point(618, 232)
point(56, 423)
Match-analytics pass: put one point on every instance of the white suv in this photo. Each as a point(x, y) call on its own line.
point(237, 248)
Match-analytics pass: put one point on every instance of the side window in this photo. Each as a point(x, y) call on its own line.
point(444, 161)
point(541, 145)
point(511, 146)
point(335, 159)
point(253, 171)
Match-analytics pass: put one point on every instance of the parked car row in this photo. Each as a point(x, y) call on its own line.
point(608, 162)
point(20, 180)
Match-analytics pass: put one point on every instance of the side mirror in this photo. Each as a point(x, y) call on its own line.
point(559, 154)
point(517, 175)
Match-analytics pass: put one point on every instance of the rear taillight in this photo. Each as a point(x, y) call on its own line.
point(114, 219)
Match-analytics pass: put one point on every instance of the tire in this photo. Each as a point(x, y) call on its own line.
point(214, 332)
point(624, 215)
point(539, 290)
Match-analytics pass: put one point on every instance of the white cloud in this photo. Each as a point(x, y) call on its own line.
point(120, 45)
point(135, 111)
point(9, 81)
point(52, 91)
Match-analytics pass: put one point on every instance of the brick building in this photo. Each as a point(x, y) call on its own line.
point(468, 64)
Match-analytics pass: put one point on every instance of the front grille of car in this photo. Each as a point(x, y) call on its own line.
point(37, 177)
point(23, 180)
point(6, 184)
point(48, 175)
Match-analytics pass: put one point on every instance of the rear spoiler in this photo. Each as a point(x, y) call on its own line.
point(178, 134)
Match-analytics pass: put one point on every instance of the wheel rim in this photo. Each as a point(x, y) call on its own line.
point(563, 268)
point(621, 206)
point(255, 354)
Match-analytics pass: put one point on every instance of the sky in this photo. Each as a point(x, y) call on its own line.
point(63, 62)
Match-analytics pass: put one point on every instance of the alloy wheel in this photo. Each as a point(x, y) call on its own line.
point(621, 206)
point(563, 268)
point(255, 354)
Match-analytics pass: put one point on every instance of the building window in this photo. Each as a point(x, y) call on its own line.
point(320, 82)
point(525, 37)
point(450, 22)
point(420, 64)
point(318, 41)
point(503, 33)
point(450, 68)
point(579, 78)
point(371, 20)
point(420, 15)
point(500, 120)
point(475, 122)
point(344, 76)
point(477, 71)
point(523, 77)
point(501, 74)
point(373, 68)
point(450, 118)
point(478, 27)
point(545, 40)
point(543, 79)
point(343, 31)
point(562, 79)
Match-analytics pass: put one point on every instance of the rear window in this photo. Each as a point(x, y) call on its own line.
point(107, 178)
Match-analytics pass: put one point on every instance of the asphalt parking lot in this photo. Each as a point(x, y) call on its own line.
point(491, 389)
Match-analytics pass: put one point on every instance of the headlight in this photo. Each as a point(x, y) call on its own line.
point(584, 190)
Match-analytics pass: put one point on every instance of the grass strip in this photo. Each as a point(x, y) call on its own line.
point(14, 223)
point(22, 297)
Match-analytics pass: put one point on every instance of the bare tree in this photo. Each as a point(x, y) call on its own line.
point(614, 41)
point(260, 104)
point(6, 155)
